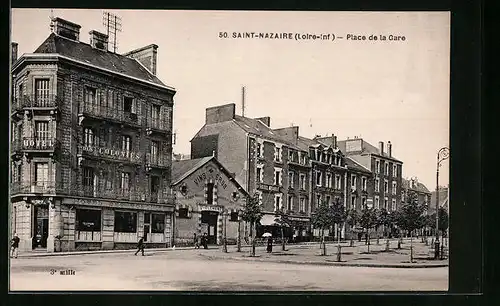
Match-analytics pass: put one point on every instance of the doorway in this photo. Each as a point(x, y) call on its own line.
point(41, 226)
point(209, 222)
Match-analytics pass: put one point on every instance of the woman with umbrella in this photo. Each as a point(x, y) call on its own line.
point(269, 242)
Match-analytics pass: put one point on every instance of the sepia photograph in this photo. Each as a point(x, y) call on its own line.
point(229, 151)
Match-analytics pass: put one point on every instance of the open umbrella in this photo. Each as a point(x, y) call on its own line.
point(267, 235)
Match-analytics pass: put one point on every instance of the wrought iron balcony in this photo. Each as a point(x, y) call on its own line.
point(157, 125)
point(92, 151)
point(157, 161)
point(35, 187)
point(34, 144)
point(109, 113)
point(36, 101)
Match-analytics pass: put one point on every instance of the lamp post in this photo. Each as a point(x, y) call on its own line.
point(239, 232)
point(224, 247)
point(442, 155)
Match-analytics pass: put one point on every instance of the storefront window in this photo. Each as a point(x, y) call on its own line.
point(88, 220)
point(158, 223)
point(125, 222)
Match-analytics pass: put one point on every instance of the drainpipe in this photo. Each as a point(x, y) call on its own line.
point(345, 199)
point(311, 201)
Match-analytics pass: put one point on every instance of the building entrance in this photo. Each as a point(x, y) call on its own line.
point(41, 227)
point(209, 225)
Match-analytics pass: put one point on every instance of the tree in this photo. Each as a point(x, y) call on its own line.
point(386, 220)
point(252, 213)
point(367, 221)
point(409, 217)
point(282, 219)
point(352, 221)
point(378, 222)
point(338, 217)
point(443, 220)
point(321, 219)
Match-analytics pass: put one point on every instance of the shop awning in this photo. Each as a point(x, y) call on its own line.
point(267, 220)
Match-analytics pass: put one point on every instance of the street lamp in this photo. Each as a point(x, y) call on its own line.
point(442, 155)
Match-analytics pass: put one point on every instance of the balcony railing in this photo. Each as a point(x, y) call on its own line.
point(157, 124)
point(51, 187)
point(35, 101)
point(110, 153)
point(157, 161)
point(110, 113)
point(35, 144)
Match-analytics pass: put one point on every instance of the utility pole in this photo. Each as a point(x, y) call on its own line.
point(442, 155)
point(243, 101)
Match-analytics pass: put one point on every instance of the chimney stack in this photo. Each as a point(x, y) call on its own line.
point(389, 148)
point(381, 147)
point(147, 56)
point(98, 40)
point(14, 52)
point(66, 28)
point(265, 120)
point(334, 141)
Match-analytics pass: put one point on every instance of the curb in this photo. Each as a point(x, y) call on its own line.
point(332, 263)
point(31, 255)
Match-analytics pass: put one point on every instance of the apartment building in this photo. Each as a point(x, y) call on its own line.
point(91, 145)
point(412, 185)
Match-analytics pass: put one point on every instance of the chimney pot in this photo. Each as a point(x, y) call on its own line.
point(381, 147)
point(389, 148)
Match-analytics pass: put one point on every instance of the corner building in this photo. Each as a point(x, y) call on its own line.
point(91, 146)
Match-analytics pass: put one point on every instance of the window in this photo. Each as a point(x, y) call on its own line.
point(42, 130)
point(88, 137)
point(155, 113)
point(108, 180)
point(386, 203)
point(394, 170)
point(259, 150)
point(377, 185)
point(277, 154)
point(88, 176)
point(303, 158)
point(41, 173)
point(318, 200)
point(377, 166)
point(90, 95)
point(210, 193)
point(277, 177)
point(104, 138)
point(125, 181)
point(302, 204)
point(353, 182)
point(377, 202)
point(233, 216)
point(363, 183)
point(386, 168)
point(363, 202)
point(402, 197)
point(290, 202)
point(183, 213)
point(319, 178)
point(126, 143)
point(328, 200)
point(386, 186)
point(42, 92)
point(393, 204)
point(259, 173)
point(353, 202)
point(291, 177)
point(303, 181)
point(88, 220)
point(338, 183)
point(154, 150)
point(157, 223)
point(394, 187)
point(277, 202)
point(125, 222)
point(155, 184)
point(128, 105)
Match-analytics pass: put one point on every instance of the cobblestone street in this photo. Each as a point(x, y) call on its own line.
point(195, 270)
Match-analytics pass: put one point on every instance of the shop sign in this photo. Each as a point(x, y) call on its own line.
point(112, 153)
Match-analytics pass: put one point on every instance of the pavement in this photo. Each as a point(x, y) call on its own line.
point(193, 270)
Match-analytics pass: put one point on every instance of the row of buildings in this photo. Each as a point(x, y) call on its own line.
point(91, 157)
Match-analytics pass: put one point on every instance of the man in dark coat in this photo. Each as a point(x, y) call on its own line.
point(15, 246)
point(196, 241)
point(140, 246)
point(204, 240)
point(269, 245)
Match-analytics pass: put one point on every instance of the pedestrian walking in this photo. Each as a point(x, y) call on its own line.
point(269, 244)
point(15, 246)
point(204, 240)
point(140, 246)
point(196, 241)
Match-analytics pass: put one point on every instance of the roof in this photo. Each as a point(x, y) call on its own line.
point(417, 186)
point(255, 126)
point(104, 59)
point(352, 164)
point(182, 169)
point(366, 149)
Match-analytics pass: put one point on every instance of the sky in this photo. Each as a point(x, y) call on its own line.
point(383, 90)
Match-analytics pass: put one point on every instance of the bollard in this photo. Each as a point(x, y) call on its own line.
point(339, 253)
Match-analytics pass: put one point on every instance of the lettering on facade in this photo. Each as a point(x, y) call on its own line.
point(210, 208)
point(38, 144)
point(113, 153)
point(219, 179)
